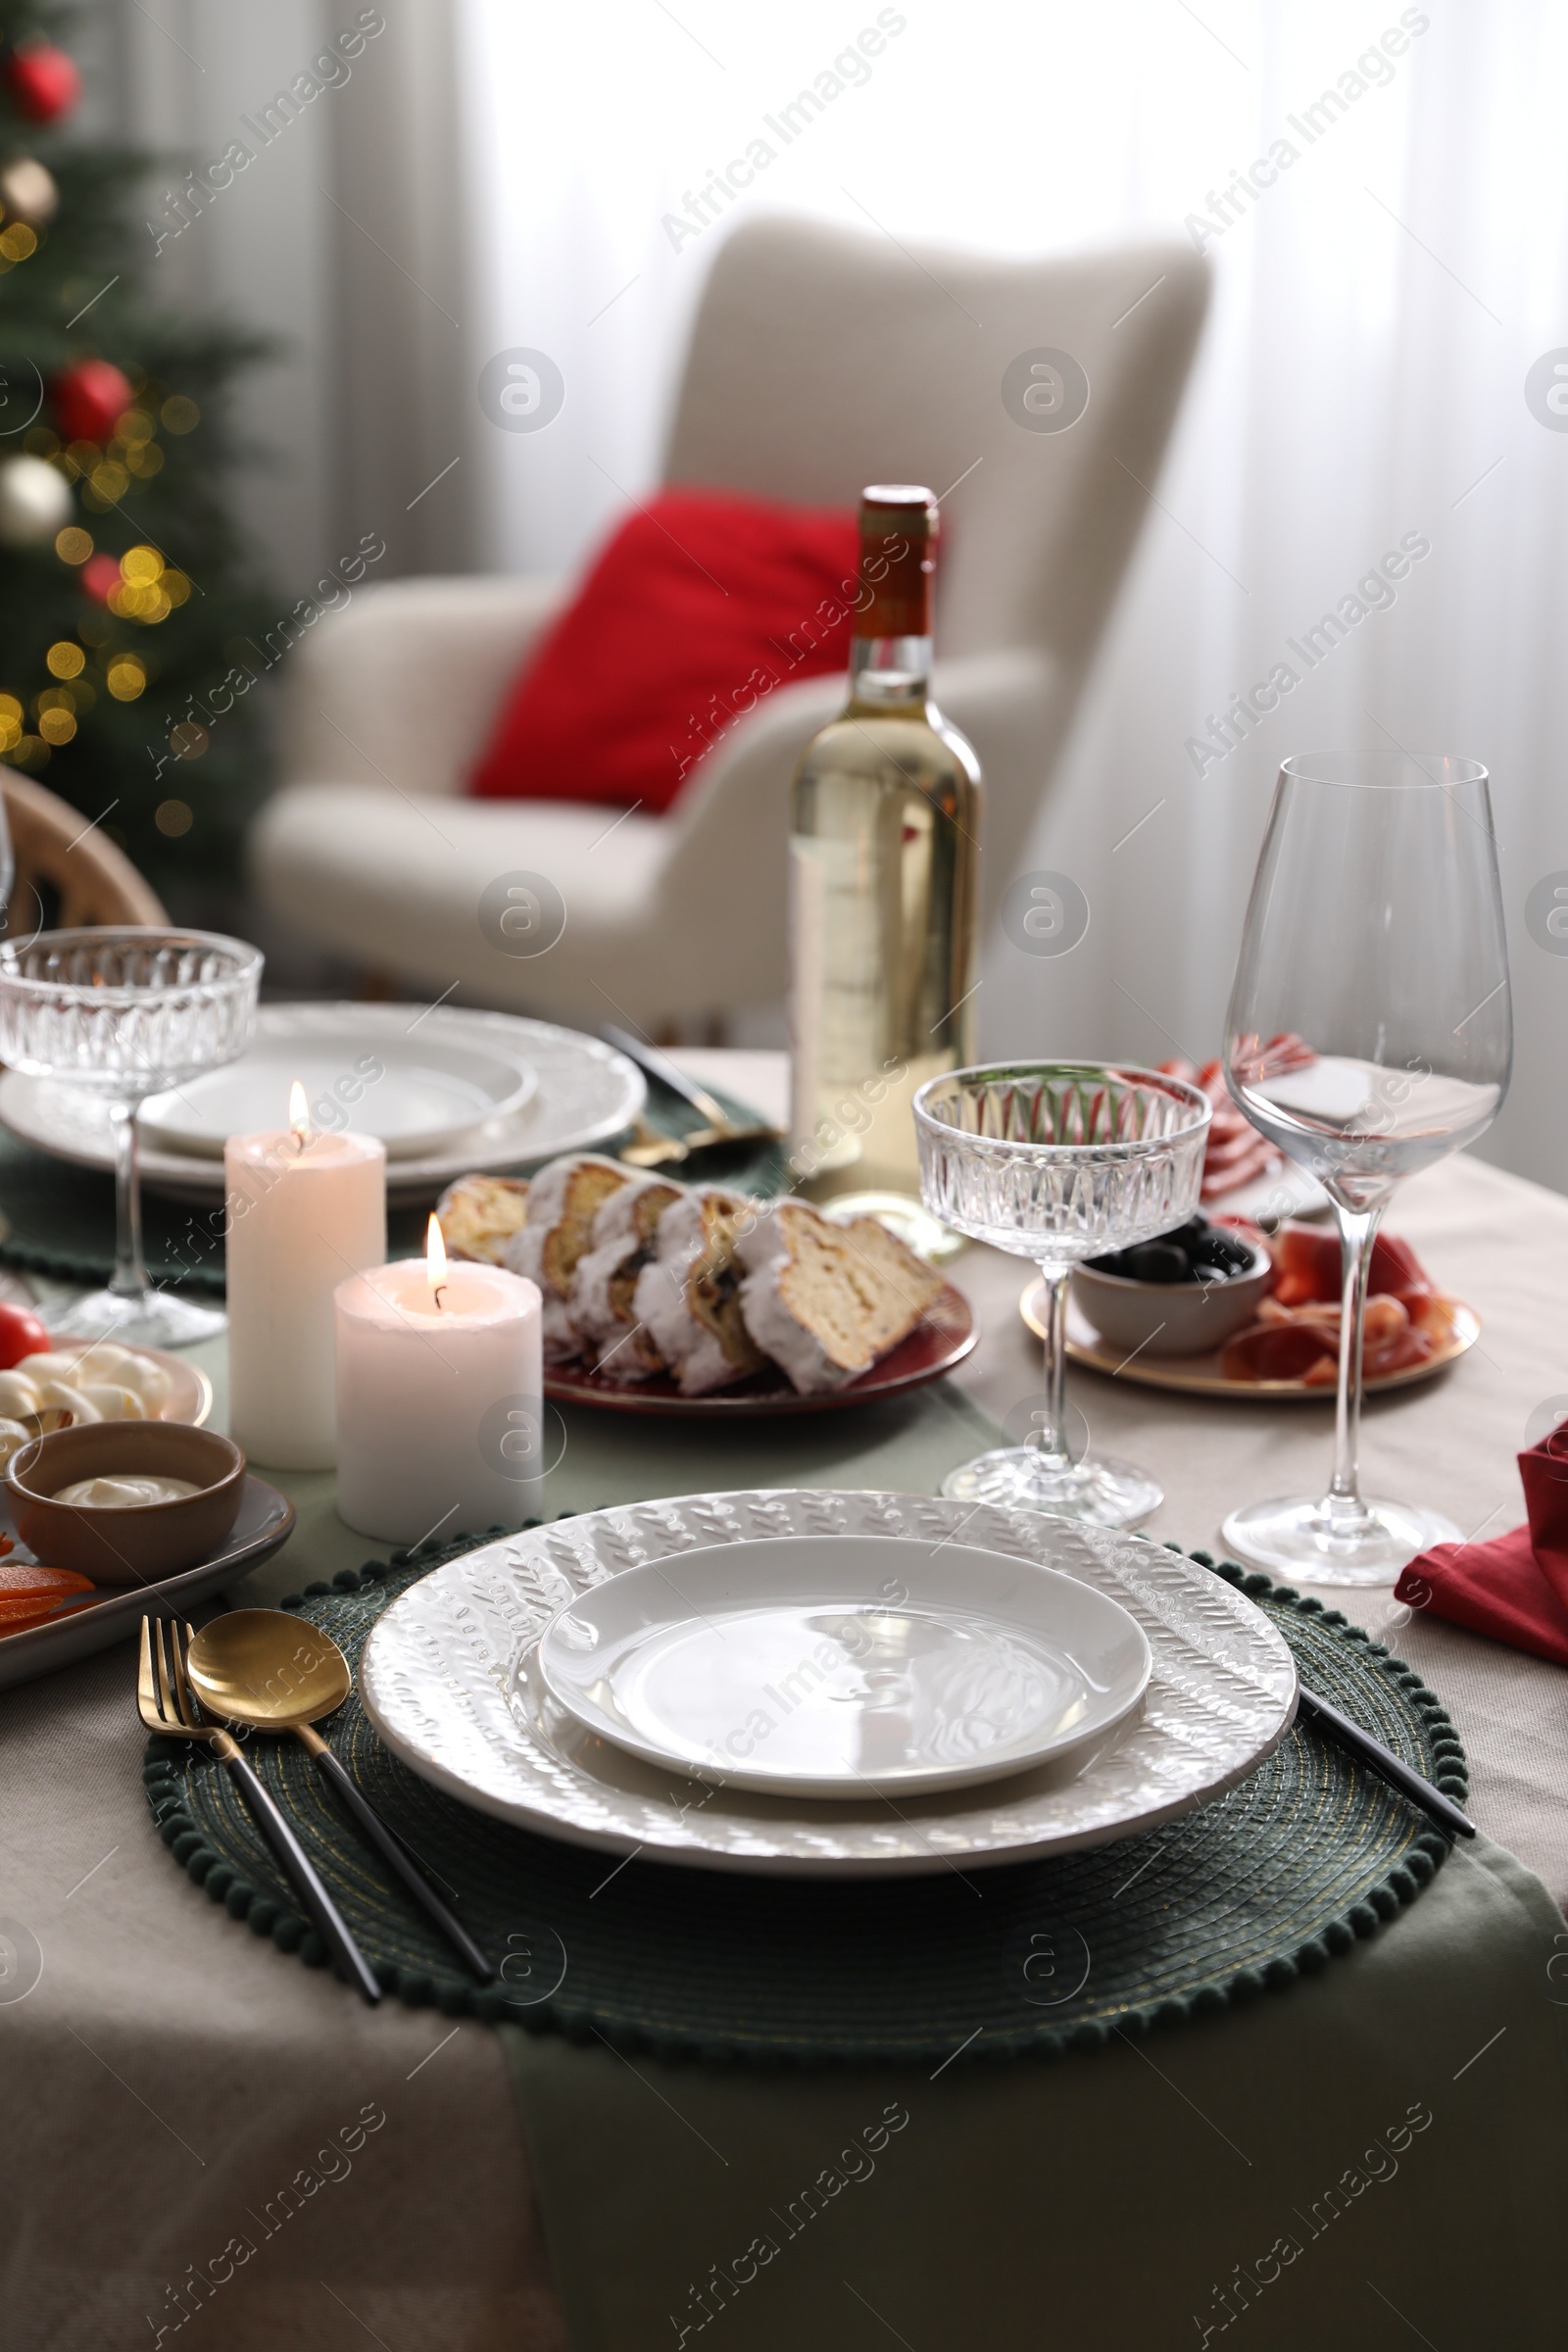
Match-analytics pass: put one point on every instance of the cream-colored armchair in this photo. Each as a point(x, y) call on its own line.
point(821, 360)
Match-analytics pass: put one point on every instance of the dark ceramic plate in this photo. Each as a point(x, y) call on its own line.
point(266, 1519)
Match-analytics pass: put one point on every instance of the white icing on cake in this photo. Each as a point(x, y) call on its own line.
point(547, 1202)
point(766, 1252)
point(694, 1351)
point(557, 1334)
point(827, 1300)
point(623, 1238)
point(607, 1341)
point(616, 1219)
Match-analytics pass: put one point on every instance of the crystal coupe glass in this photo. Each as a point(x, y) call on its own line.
point(1058, 1161)
point(126, 1014)
point(1376, 934)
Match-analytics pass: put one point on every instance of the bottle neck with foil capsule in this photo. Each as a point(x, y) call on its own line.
point(889, 657)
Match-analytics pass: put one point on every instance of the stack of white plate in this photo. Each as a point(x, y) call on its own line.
point(447, 1090)
point(822, 1682)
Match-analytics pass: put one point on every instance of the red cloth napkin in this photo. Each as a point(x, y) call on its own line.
point(1515, 1588)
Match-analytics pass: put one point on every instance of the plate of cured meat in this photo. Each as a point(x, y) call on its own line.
point(1288, 1350)
point(698, 1302)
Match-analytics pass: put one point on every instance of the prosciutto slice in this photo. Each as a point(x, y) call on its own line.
point(1307, 1268)
point(1302, 1343)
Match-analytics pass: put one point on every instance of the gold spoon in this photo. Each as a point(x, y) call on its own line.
point(280, 1673)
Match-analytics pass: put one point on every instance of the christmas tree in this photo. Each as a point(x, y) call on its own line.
point(129, 628)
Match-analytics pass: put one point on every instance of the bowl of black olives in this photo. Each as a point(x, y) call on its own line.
point(1182, 1293)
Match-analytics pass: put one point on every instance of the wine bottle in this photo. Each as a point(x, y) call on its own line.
point(884, 868)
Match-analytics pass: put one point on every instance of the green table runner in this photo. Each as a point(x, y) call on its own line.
point(1374, 2160)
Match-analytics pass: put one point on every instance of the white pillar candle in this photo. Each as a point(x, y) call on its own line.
point(440, 1400)
point(304, 1210)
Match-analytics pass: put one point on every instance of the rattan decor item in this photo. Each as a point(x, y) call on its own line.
point(1268, 1883)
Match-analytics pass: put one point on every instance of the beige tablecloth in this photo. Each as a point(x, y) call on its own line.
point(168, 2074)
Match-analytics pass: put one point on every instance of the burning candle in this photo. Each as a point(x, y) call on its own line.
point(303, 1210)
point(440, 1398)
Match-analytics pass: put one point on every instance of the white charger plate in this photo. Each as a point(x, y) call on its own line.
point(418, 1093)
point(838, 1666)
point(451, 1679)
point(586, 1092)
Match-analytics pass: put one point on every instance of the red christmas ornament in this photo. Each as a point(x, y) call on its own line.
point(100, 576)
point(89, 398)
point(41, 82)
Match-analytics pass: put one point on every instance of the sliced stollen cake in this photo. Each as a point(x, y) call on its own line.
point(479, 1214)
point(606, 1281)
point(826, 1300)
point(688, 1298)
point(565, 1198)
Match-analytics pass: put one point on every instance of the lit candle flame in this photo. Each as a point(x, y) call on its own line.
point(436, 1257)
point(299, 1115)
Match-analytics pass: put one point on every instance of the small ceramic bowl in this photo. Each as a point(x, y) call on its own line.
point(1172, 1318)
point(125, 1544)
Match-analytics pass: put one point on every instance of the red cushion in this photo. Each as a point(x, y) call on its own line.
point(701, 605)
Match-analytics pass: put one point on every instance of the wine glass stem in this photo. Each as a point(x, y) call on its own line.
point(129, 1276)
point(1357, 1228)
point(1053, 1435)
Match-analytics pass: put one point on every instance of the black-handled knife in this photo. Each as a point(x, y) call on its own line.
point(1383, 1760)
point(658, 1065)
point(392, 1850)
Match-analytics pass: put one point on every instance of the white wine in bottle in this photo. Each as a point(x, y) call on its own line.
point(884, 868)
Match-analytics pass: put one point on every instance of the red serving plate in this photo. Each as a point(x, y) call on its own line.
point(943, 1338)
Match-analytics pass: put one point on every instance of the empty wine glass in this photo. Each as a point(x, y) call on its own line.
point(126, 1014)
point(1375, 932)
point(1058, 1161)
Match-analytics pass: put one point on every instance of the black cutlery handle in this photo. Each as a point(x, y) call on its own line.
point(302, 1875)
point(391, 1850)
point(1383, 1759)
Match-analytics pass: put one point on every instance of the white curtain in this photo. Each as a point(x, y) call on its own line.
point(1389, 267)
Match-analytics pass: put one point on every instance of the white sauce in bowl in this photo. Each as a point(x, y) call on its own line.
point(126, 1489)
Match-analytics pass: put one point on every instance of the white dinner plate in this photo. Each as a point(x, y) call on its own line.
point(452, 1681)
point(585, 1093)
point(418, 1093)
point(837, 1665)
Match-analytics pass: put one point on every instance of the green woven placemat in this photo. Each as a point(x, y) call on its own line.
point(59, 1220)
point(1268, 1881)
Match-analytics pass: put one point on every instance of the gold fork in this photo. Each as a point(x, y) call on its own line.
point(169, 1705)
